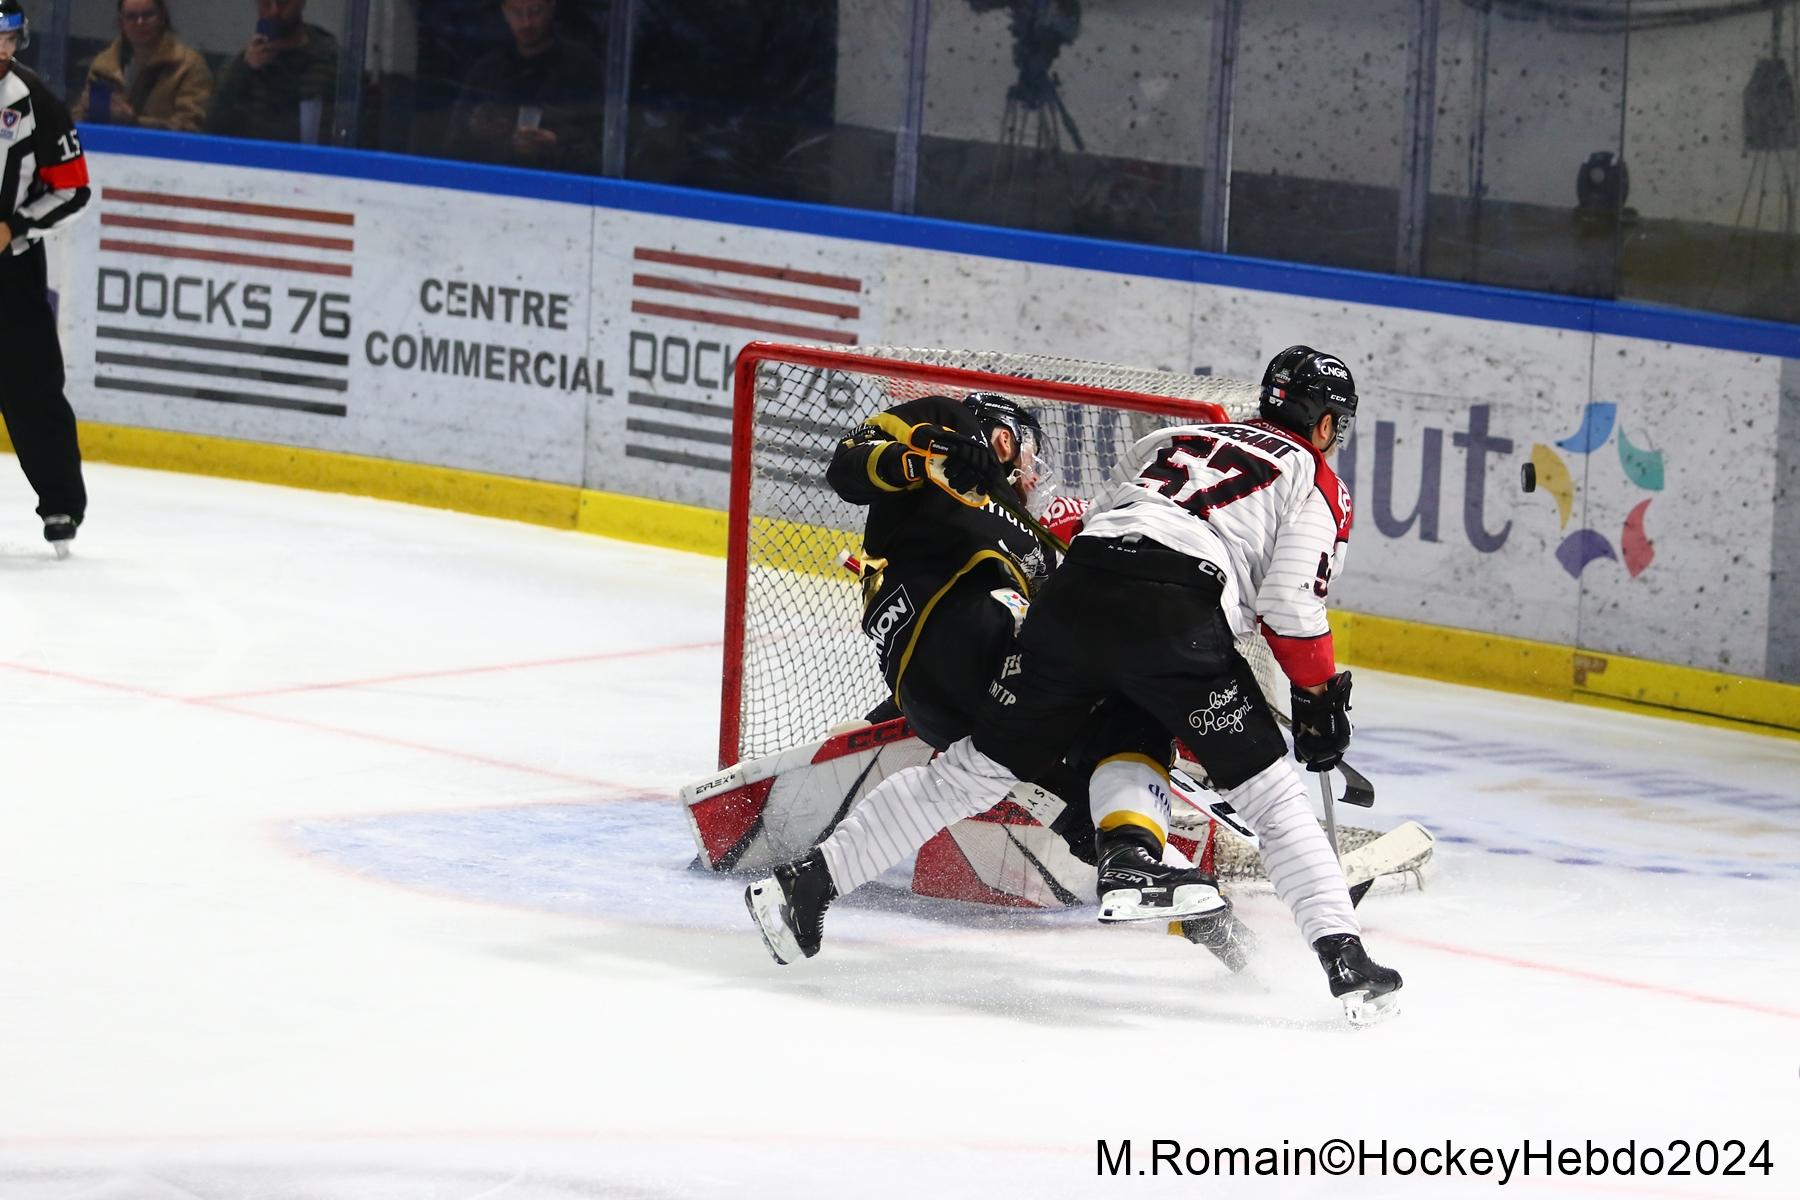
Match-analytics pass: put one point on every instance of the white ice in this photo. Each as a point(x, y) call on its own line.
point(338, 859)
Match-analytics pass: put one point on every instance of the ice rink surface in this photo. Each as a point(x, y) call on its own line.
point(340, 860)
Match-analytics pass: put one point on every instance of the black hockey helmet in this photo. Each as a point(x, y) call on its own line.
point(994, 411)
point(13, 20)
point(1301, 384)
point(1031, 471)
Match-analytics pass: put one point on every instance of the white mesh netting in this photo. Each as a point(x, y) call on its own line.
point(804, 665)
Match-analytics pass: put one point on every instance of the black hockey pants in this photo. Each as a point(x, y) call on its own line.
point(1140, 622)
point(945, 678)
point(37, 414)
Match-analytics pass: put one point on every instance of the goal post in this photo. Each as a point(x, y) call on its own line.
point(796, 662)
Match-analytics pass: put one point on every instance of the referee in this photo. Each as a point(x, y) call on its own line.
point(44, 186)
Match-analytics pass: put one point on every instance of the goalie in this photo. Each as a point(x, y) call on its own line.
point(947, 580)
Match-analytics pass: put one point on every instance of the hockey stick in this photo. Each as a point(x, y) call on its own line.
point(1330, 814)
point(1209, 802)
point(1405, 847)
point(1357, 788)
point(935, 470)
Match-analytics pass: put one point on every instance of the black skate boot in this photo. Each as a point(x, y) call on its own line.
point(59, 531)
point(789, 908)
point(1136, 885)
point(1370, 992)
point(1229, 939)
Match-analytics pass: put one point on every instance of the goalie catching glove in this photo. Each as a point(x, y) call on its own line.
point(1322, 723)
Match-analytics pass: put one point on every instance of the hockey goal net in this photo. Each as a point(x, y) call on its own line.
point(796, 661)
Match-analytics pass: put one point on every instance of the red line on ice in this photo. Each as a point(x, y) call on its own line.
point(1527, 964)
point(319, 726)
point(451, 672)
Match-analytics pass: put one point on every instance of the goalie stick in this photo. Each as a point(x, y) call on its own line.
point(935, 469)
point(1400, 849)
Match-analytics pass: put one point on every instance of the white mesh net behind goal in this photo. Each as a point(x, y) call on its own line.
point(797, 662)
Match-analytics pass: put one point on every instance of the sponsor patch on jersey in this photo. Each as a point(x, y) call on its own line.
point(1013, 603)
point(1224, 712)
point(884, 623)
point(9, 124)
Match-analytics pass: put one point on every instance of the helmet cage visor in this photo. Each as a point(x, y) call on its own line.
point(1030, 470)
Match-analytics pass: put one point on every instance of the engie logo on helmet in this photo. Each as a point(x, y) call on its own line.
point(889, 619)
point(1334, 369)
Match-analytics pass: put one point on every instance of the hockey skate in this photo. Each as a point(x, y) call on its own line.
point(59, 531)
point(789, 908)
point(1136, 885)
point(1229, 939)
point(1370, 992)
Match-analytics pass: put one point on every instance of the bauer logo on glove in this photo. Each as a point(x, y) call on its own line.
point(961, 465)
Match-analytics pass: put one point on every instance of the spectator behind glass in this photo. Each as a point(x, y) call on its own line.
point(280, 89)
point(535, 103)
point(735, 95)
point(148, 76)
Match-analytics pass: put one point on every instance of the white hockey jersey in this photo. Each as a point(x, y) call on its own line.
point(1255, 500)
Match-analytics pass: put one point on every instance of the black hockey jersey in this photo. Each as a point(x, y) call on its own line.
point(931, 540)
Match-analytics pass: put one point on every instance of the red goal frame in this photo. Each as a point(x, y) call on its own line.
point(742, 466)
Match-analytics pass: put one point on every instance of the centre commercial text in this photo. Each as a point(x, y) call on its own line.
point(667, 359)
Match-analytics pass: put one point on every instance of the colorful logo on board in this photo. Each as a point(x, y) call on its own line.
point(1643, 468)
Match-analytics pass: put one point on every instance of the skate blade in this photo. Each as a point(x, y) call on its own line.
point(1226, 937)
point(1364, 1010)
point(763, 898)
point(61, 548)
point(1158, 904)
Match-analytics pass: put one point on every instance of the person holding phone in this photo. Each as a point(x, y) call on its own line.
point(147, 76)
point(535, 103)
point(281, 86)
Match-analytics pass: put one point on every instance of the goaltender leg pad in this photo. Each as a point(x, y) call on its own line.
point(767, 811)
point(1003, 857)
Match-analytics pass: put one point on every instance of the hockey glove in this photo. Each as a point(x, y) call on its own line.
point(1322, 723)
point(899, 468)
point(963, 466)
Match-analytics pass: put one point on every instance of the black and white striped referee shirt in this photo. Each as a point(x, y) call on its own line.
point(45, 184)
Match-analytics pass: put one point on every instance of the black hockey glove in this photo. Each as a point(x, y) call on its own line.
point(968, 463)
point(1322, 723)
point(899, 467)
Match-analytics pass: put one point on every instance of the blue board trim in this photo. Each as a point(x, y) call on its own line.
point(1618, 318)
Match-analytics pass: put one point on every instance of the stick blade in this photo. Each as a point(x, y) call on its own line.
point(1357, 788)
